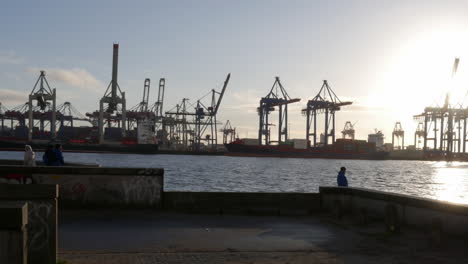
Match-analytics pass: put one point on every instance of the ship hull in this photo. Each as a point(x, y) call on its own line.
point(235, 149)
point(14, 145)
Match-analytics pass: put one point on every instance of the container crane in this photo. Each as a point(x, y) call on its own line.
point(399, 134)
point(42, 94)
point(277, 97)
point(326, 102)
point(113, 97)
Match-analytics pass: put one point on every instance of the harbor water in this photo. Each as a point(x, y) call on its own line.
point(437, 180)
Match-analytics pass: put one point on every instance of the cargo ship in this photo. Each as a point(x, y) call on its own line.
point(9, 144)
point(74, 139)
point(341, 149)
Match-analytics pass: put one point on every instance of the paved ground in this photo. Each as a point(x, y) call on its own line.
point(148, 237)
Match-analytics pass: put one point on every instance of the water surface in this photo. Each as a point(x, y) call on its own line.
point(438, 180)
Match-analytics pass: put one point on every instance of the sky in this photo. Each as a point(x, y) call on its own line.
point(390, 58)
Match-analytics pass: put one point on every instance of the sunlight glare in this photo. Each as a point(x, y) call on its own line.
point(449, 183)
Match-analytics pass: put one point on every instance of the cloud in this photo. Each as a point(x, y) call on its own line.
point(365, 108)
point(10, 57)
point(12, 97)
point(244, 101)
point(76, 77)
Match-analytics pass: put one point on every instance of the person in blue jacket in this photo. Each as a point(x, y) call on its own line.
point(58, 156)
point(49, 156)
point(341, 179)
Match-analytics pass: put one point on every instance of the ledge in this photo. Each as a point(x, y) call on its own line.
point(80, 170)
point(28, 191)
point(398, 198)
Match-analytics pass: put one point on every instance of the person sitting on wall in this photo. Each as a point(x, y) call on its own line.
point(341, 179)
point(49, 156)
point(58, 156)
point(29, 156)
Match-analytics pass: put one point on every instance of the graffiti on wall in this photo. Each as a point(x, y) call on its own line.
point(39, 217)
point(141, 189)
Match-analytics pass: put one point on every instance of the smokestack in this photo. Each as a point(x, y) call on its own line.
point(115, 64)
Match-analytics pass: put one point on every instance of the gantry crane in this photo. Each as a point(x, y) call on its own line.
point(399, 134)
point(326, 102)
point(418, 135)
point(348, 130)
point(229, 133)
point(277, 97)
point(201, 111)
point(204, 117)
point(3, 110)
point(113, 97)
point(43, 94)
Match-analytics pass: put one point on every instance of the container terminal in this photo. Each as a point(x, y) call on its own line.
point(192, 127)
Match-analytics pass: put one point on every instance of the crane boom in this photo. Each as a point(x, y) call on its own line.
point(222, 93)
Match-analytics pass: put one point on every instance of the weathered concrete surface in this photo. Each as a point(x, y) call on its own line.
point(243, 203)
point(428, 214)
point(155, 237)
point(42, 218)
point(13, 233)
point(96, 187)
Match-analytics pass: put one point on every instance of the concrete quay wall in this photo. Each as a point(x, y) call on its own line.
point(40, 163)
point(396, 210)
point(242, 203)
point(95, 187)
point(13, 233)
point(41, 219)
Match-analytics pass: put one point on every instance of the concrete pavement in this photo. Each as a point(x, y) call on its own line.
point(154, 237)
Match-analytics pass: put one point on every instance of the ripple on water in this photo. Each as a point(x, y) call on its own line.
point(438, 180)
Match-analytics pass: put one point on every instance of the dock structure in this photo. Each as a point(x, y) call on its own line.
point(197, 127)
point(177, 127)
point(229, 133)
point(444, 128)
point(3, 109)
point(157, 108)
point(398, 134)
point(277, 97)
point(348, 130)
point(327, 102)
point(109, 111)
point(47, 103)
point(140, 111)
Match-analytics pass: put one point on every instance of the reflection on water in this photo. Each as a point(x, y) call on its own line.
point(450, 181)
point(436, 180)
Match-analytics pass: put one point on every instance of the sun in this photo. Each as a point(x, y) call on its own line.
point(418, 72)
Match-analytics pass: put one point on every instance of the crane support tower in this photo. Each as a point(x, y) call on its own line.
point(325, 102)
point(146, 91)
point(161, 123)
point(158, 106)
point(399, 134)
point(43, 94)
point(277, 97)
point(3, 111)
point(229, 133)
point(418, 135)
point(348, 130)
point(178, 127)
point(112, 98)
